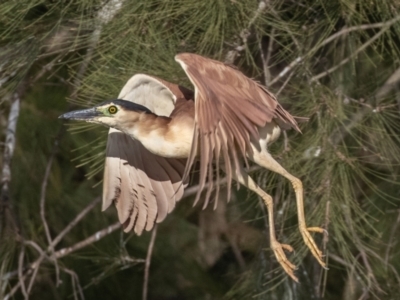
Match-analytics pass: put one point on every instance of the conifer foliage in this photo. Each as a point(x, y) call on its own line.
point(335, 62)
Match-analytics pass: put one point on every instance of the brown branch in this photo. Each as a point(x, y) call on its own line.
point(147, 263)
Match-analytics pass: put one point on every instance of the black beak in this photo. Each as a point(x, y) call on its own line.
point(83, 114)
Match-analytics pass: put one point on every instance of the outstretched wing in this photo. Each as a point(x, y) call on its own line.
point(228, 109)
point(144, 187)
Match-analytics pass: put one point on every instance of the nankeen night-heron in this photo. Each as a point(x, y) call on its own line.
point(158, 129)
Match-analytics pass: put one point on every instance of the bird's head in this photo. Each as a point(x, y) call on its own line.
point(118, 114)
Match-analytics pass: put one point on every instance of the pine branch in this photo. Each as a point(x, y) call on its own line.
point(331, 38)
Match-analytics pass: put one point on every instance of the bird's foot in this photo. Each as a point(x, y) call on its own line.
point(282, 259)
point(309, 241)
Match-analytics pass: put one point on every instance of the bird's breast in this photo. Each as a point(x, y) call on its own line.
point(174, 141)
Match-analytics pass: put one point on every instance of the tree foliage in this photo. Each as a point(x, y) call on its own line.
point(336, 62)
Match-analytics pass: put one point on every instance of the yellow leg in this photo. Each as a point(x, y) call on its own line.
point(244, 179)
point(264, 159)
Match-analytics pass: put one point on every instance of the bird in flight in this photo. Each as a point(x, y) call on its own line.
point(159, 129)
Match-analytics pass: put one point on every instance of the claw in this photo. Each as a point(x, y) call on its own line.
point(282, 259)
point(309, 241)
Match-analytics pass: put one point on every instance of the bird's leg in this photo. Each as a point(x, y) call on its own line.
point(244, 179)
point(264, 159)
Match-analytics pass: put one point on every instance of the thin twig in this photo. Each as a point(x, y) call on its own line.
point(340, 260)
point(58, 238)
point(339, 134)
point(35, 272)
point(75, 278)
point(354, 53)
point(76, 220)
point(105, 15)
point(147, 263)
point(244, 34)
point(90, 240)
point(20, 272)
point(265, 59)
point(193, 189)
point(324, 273)
point(362, 252)
point(359, 27)
point(284, 84)
point(34, 267)
point(299, 59)
point(287, 69)
point(391, 238)
point(42, 208)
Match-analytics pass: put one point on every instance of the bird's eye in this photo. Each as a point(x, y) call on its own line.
point(112, 109)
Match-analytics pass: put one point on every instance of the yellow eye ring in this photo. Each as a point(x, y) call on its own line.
point(112, 109)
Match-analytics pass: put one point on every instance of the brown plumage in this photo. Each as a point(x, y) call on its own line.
point(144, 186)
point(154, 141)
point(229, 109)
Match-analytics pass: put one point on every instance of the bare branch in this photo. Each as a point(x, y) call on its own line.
point(244, 34)
point(75, 279)
point(284, 84)
point(34, 267)
point(7, 156)
point(42, 207)
point(382, 92)
point(333, 37)
point(287, 69)
point(265, 59)
point(75, 221)
point(20, 272)
point(58, 238)
point(90, 240)
point(147, 263)
point(354, 53)
point(358, 27)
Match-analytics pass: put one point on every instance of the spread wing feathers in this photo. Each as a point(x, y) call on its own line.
point(144, 187)
point(229, 108)
point(143, 193)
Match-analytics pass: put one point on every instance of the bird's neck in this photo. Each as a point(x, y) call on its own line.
point(163, 136)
